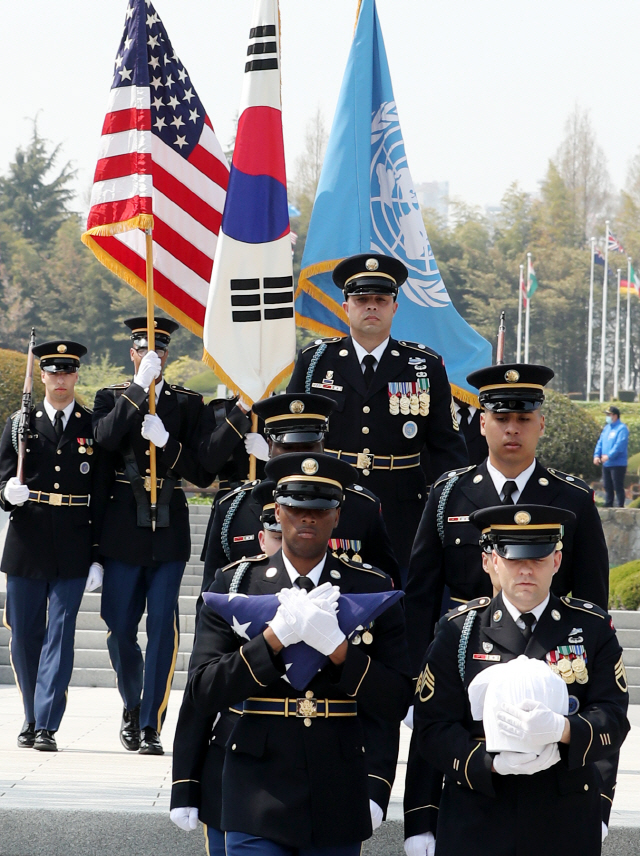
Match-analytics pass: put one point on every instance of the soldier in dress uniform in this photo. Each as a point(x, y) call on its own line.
point(446, 549)
point(468, 417)
point(393, 399)
point(297, 423)
point(51, 552)
point(507, 793)
point(296, 776)
point(144, 567)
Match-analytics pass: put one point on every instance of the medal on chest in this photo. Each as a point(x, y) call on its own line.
point(409, 397)
point(570, 662)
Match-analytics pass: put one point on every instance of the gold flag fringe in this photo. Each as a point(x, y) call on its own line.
point(234, 387)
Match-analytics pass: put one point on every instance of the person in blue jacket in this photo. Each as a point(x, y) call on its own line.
point(611, 452)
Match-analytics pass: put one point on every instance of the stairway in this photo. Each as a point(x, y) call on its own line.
point(92, 667)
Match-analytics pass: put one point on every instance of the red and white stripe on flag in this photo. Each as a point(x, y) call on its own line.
point(160, 166)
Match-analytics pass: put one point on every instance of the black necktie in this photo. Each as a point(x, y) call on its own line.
point(57, 424)
point(509, 488)
point(305, 583)
point(529, 620)
point(369, 362)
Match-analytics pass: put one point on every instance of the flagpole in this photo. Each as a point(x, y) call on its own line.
point(527, 313)
point(590, 323)
point(627, 338)
point(616, 356)
point(151, 346)
point(603, 339)
point(520, 287)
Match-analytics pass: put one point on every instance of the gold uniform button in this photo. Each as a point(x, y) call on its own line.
point(147, 452)
point(366, 409)
point(366, 472)
point(234, 746)
point(57, 469)
point(307, 722)
point(586, 787)
point(308, 694)
point(56, 485)
point(419, 496)
point(58, 451)
point(457, 540)
point(147, 471)
point(365, 430)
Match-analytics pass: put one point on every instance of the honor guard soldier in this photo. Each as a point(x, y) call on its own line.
point(51, 550)
point(446, 550)
point(393, 399)
point(296, 775)
point(297, 423)
point(144, 567)
point(551, 769)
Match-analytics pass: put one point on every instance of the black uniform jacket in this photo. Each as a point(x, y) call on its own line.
point(360, 531)
point(117, 420)
point(477, 449)
point(446, 550)
point(567, 797)
point(301, 786)
point(362, 422)
point(46, 541)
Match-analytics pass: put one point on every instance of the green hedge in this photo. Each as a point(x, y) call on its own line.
point(13, 365)
point(570, 437)
point(624, 586)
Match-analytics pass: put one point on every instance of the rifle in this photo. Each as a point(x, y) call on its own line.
point(24, 432)
point(500, 347)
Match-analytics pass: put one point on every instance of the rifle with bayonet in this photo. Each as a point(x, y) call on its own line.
point(24, 431)
point(500, 347)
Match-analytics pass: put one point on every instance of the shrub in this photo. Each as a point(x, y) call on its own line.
point(570, 437)
point(624, 585)
point(13, 365)
point(634, 503)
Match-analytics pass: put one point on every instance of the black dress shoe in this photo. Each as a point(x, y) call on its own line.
point(150, 743)
point(45, 741)
point(27, 736)
point(130, 729)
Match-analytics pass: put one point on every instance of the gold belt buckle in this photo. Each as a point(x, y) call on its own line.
point(55, 499)
point(307, 707)
point(364, 461)
point(147, 483)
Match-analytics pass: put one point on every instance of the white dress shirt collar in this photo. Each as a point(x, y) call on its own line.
point(314, 574)
point(472, 411)
point(361, 353)
point(515, 613)
point(521, 480)
point(66, 413)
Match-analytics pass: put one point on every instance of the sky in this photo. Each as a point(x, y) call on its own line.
point(483, 87)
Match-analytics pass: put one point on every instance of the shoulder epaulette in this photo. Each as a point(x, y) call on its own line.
point(184, 389)
point(574, 481)
point(359, 566)
point(85, 408)
point(258, 558)
point(583, 606)
point(125, 385)
point(362, 491)
point(416, 346)
point(322, 342)
point(237, 490)
point(477, 603)
point(451, 473)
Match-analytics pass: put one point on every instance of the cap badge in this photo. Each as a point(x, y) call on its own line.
point(61, 349)
point(296, 406)
point(309, 466)
point(512, 376)
point(522, 518)
point(371, 264)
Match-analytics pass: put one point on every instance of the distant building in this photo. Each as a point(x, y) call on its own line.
point(434, 194)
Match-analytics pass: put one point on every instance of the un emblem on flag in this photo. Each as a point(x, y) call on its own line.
point(396, 221)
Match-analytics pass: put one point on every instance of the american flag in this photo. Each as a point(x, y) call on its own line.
point(160, 165)
point(613, 244)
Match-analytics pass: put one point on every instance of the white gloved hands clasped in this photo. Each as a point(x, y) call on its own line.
point(153, 430)
point(376, 814)
point(526, 763)
point(15, 492)
point(256, 445)
point(531, 719)
point(95, 577)
point(420, 845)
point(186, 817)
point(149, 369)
point(284, 623)
point(315, 616)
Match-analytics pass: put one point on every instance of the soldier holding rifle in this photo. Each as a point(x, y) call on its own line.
point(51, 552)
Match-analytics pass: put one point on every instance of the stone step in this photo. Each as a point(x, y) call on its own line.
point(107, 678)
point(92, 620)
point(631, 657)
point(626, 619)
point(629, 638)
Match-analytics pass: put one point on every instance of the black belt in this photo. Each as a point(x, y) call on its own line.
point(369, 461)
point(58, 498)
point(308, 707)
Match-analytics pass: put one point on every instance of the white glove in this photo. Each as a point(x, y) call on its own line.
point(420, 845)
point(408, 720)
point(531, 719)
point(186, 817)
point(325, 596)
point(256, 445)
point(284, 626)
point(317, 627)
point(376, 814)
point(605, 831)
point(526, 763)
point(153, 430)
point(149, 369)
point(15, 492)
point(94, 580)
